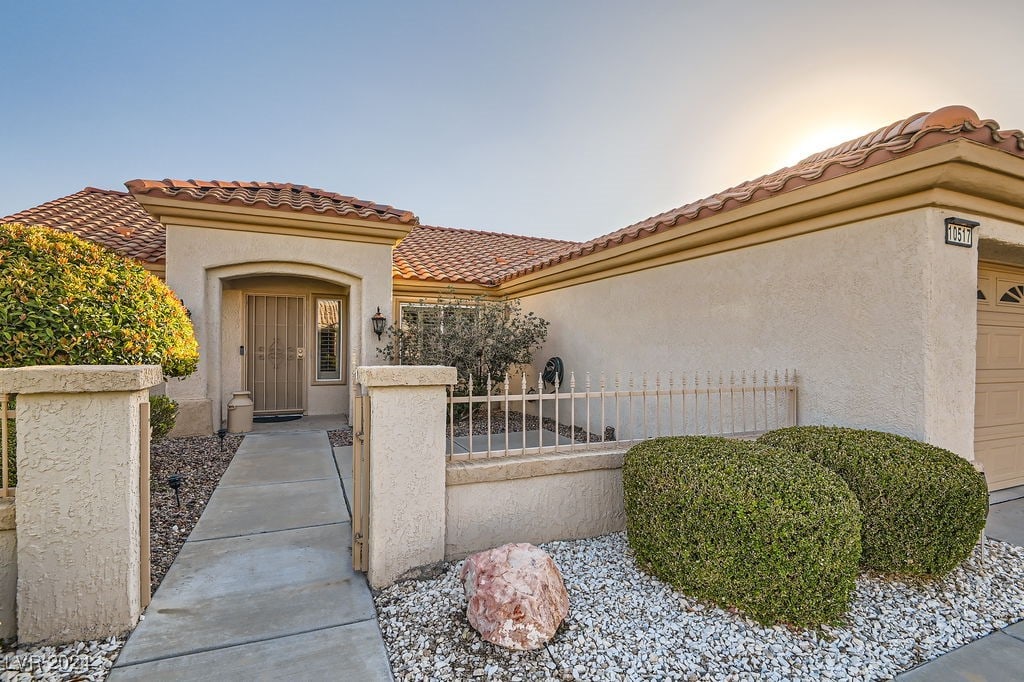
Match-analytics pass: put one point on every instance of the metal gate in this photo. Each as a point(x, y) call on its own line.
point(275, 367)
point(360, 479)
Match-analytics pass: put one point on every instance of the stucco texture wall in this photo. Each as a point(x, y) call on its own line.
point(407, 470)
point(878, 317)
point(533, 501)
point(78, 511)
point(198, 259)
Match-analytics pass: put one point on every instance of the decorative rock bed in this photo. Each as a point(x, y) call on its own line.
point(76, 661)
point(624, 624)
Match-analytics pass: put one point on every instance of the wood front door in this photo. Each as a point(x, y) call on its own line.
point(999, 396)
point(276, 353)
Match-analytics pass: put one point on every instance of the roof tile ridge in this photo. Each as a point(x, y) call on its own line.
point(895, 138)
point(997, 134)
point(101, 190)
point(143, 186)
point(492, 233)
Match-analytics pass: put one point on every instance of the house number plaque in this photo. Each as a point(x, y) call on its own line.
point(960, 232)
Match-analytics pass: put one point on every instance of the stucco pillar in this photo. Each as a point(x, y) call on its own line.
point(77, 511)
point(407, 468)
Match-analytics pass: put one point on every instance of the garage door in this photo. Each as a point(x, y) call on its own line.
point(999, 407)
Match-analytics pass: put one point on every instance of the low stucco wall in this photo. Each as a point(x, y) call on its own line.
point(8, 570)
point(535, 499)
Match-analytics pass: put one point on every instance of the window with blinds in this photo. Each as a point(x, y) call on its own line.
point(328, 339)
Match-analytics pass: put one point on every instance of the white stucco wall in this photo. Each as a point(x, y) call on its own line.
point(878, 317)
point(198, 259)
point(537, 499)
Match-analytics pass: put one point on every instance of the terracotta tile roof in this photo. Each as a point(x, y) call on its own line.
point(272, 195)
point(116, 220)
point(446, 254)
point(108, 217)
point(913, 134)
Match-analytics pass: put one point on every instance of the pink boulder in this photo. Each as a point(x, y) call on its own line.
point(516, 595)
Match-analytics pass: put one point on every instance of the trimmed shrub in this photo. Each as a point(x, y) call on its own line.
point(924, 507)
point(163, 412)
point(740, 524)
point(64, 301)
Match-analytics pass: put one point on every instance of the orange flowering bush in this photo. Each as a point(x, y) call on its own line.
point(65, 301)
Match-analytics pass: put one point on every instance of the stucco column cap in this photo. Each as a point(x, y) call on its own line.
point(79, 378)
point(406, 375)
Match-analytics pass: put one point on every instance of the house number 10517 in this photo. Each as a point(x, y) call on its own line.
point(960, 232)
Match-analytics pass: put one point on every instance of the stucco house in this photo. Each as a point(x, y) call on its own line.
point(889, 270)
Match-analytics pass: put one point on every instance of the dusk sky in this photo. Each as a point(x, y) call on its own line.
point(553, 118)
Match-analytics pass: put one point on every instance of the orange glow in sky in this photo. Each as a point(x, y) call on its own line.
point(823, 138)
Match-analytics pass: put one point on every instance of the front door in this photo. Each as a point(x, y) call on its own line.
point(275, 352)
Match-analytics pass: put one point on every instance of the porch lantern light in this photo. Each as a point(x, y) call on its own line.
point(379, 322)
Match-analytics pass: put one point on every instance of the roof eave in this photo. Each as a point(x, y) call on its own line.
point(960, 167)
point(171, 211)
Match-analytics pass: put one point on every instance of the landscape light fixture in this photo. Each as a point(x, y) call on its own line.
point(221, 432)
point(379, 322)
point(175, 481)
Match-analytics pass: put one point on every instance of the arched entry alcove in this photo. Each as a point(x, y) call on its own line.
point(286, 332)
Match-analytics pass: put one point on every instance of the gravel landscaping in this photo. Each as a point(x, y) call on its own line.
point(624, 624)
point(200, 462)
point(75, 661)
point(340, 437)
point(516, 424)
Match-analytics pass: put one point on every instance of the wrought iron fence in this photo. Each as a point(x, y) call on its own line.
point(614, 412)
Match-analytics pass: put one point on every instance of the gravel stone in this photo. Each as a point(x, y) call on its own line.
point(90, 660)
point(625, 624)
point(516, 424)
point(200, 460)
point(340, 437)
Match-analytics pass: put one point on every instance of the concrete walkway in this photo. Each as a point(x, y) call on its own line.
point(998, 657)
point(264, 586)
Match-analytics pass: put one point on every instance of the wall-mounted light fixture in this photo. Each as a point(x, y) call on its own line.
point(379, 322)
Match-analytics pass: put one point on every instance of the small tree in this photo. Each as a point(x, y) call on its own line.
point(479, 337)
point(65, 301)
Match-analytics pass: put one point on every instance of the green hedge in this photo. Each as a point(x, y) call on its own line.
point(65, 301)
point(924, 507)
point(163, 412)
point(743, 525)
